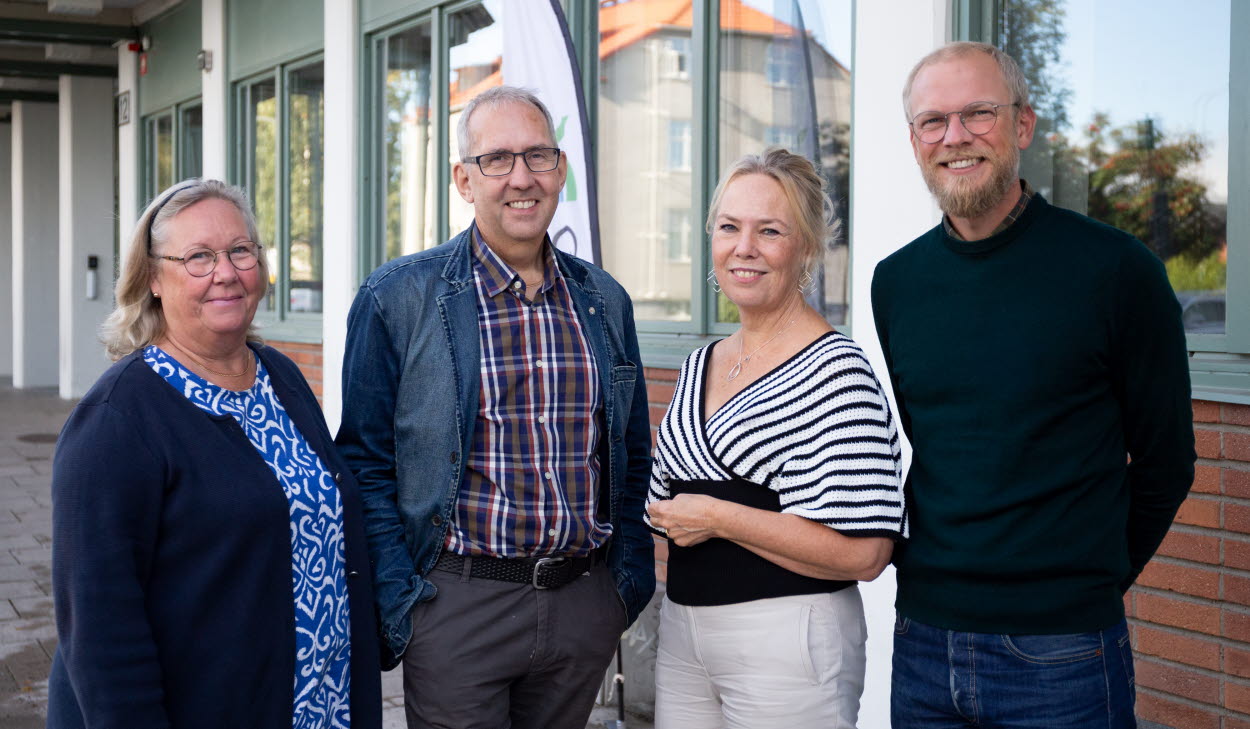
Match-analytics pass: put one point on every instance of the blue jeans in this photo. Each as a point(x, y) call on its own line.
point(945, 679)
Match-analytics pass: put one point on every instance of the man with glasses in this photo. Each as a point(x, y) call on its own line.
point(496, 419)
point(1039, 366)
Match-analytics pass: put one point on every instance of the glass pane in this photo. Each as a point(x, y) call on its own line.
point(646, 149)
point(408, 144)
point(306, 120)
point(1140, 145)
point(262, 166)
point(160, 133)
point(475, 37)
point(191, 142)
point(785, 79)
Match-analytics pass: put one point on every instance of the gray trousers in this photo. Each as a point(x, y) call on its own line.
point(489, 654)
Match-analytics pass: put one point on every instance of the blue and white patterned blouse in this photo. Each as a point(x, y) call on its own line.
point(318, 571)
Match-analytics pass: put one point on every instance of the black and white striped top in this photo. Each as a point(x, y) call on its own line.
point(817, 430)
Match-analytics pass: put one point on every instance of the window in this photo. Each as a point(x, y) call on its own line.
point(172, 147)
point(679, 145)
point(675, 57)
point(782, 62)
point(282, 120)
point(678, 234)
point(475, 64)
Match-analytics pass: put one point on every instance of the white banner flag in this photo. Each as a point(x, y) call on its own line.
point(538, 55)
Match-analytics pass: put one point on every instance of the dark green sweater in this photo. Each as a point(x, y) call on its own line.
point(1028, 367)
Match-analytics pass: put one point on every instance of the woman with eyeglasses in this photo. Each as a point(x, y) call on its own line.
point(209, 564)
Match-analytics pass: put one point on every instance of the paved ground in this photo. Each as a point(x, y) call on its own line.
point(29, 422)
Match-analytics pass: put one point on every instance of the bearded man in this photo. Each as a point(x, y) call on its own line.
point(1039, 366)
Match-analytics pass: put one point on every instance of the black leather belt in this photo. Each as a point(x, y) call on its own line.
point(544, 573)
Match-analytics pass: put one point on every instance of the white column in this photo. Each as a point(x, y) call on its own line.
point(342, 61)
point(34, 244)
point(213, 87)
point(6, 249)
point(890, 207)
point(86, 208)
point(129, 158)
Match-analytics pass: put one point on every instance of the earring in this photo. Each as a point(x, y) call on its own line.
point(806, 280)
point(155, 295)
point(711, 279)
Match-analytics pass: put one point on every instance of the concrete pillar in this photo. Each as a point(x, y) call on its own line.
point(86, 213)
point(6, 250)
point(342, 170)
point(213, 87)
point(129, 155)
point(34, 244)
point(891, 182)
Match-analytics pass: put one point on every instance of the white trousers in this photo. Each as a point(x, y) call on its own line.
point(785, 662)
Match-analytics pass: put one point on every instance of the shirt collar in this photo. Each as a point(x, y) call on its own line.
point(1026, 194)
point(498, 276)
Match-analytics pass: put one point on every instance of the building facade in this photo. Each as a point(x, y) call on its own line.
point(338, 117)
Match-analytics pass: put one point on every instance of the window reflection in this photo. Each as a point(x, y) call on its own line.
point(475, 65)
point(1139, 143)
point(262, 175)
point(645, 154)
point(785, 80)
point(191, 142)
point(408, 143)
point(160, 135)
point(306, 120)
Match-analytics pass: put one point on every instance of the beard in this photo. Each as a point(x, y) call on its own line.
point(963, 198)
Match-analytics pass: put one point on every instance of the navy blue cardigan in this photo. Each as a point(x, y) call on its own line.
point(171, 563)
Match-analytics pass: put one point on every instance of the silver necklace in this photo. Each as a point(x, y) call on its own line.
point(742, 361)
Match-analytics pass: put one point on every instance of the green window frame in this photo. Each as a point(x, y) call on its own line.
point(268, 182)
point(185, 154)
point(1219, 363)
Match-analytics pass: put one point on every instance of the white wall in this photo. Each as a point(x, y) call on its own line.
point(213, 87)
point(6, 250)
point(341, 207)
point(34, 244)
point(889, 207)
point(128, 168)
point(86, 216)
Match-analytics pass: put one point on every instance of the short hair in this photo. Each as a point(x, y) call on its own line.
point(138, 319)
point(1017, 84)
point(497, 96)
point(804, 189)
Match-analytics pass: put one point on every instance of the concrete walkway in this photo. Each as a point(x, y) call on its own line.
point(29, 423)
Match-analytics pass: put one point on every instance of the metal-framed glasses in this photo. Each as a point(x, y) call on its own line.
point(498, 164)
point(978, 118)
point(200, 262)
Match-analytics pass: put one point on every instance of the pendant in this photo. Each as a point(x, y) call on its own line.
point(734, 371)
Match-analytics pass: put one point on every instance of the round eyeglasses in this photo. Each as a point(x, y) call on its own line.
point(978, 118)
point(498, 164)
point(200, 262)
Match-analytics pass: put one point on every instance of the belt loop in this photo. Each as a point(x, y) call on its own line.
point(466, 569)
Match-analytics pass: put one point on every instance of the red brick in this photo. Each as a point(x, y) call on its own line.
point(316, 388)
point(1129, 605)
point(1232, 722)
point(1206, 411)
point(1194, 581)
point(1237, 553)
point(1190, 546)
point(1237, 483)
point(661, 549)
point(1206, 480)
point(659, 374)
point(1207, 443)
point(1236, 414)
point(1184, 682)
point(661, 572)
point(1236, 625)
point(1236, 589)
point(1237, 696)
point(1178, 613)
point(1158, 708)
point(1236, 516)
point(1237, 446)
point(1178, 647)
point(1237, 661)
point(661, 394)
point(1199, 511)
point(657, 413)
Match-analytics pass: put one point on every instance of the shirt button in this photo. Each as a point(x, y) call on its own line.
point(592, 310)
point(551, 532)
point(539, 363)
point(516, 284)
point(542, 418)
point(549, 475)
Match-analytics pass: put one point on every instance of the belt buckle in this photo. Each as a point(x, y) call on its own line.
point(543, 562)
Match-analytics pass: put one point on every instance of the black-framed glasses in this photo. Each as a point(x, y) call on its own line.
point(978, 118)
point(498, 164)
point(200, 262)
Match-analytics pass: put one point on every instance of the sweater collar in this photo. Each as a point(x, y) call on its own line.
point(1037, 203)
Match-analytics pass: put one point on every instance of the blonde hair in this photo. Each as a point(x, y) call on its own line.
point(138, 319)
point(804, 189)
point(1017, 84)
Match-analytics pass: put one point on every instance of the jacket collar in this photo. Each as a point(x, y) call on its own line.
point(459, 269)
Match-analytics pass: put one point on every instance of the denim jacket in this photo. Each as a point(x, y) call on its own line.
point(411, 380)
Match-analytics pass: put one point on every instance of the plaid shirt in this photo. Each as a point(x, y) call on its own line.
point(1026, 194)
point(531, 481)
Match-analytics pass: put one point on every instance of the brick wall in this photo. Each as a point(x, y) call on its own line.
point(308, 357)
point(1190, 610)
point(660, 385)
